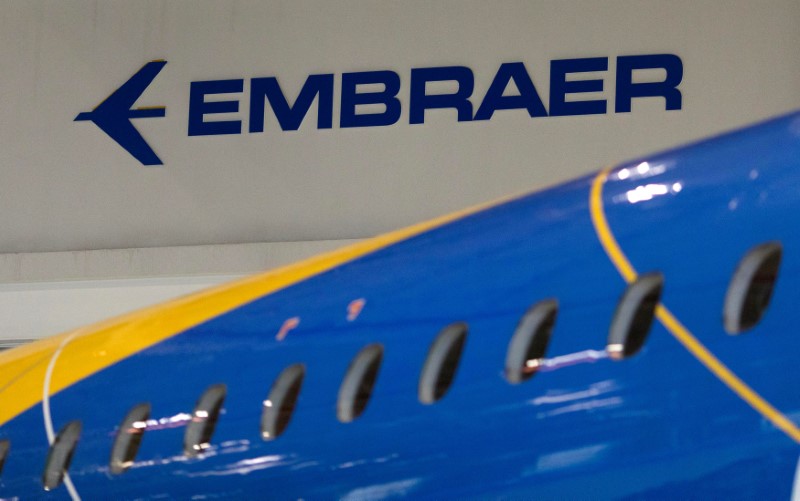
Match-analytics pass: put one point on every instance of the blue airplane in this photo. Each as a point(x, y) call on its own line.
point(626, 335)
point(114, 115)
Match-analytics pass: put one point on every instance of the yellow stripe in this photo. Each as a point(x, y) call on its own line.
point(668, 320)
point(607, 239)
point(94, 348)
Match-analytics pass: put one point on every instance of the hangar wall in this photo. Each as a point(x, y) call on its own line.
point(70, 188)
point(51, 292)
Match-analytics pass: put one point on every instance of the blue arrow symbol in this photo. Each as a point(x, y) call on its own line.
point(114, 115)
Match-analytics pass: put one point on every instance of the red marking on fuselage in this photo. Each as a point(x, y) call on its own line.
point(288, 325)
point(354, 308)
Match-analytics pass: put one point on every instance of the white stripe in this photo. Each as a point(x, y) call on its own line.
point(796, 485)
point(48, 420)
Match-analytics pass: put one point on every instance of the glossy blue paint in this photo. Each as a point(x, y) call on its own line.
point(656, 425)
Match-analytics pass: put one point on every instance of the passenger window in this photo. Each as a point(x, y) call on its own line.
point(5, 445)
point(279, 405)
point(60, 455)
point(204, 419)
point(528, 346)
point(441, 363)
point(634, 316)
point(129, 438)
point(751, 286)
point(356, 388)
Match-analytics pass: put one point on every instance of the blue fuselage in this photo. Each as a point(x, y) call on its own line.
point(659, 423)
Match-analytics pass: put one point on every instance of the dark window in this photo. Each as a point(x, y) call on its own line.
point(129, 437)
point(279, 405)
point(60, 455)
point(441, 364)
point(634, 316)
point(204, 420)
point(5, 445)
point(357, 385)
point(528, 346)
point(751, 287)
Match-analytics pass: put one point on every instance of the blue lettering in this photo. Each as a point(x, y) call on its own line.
point(377, 93)
point(560, 86)
point(290, 117)
point(419, 101)
point(198, 107)
point(668, 89)
point(387, 97)
point(528, 98)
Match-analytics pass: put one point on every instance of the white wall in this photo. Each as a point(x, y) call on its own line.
point(34, 310)
point(42, 294)
point(66, 186)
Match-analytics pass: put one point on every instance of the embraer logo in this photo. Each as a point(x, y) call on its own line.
point(378, 98)
point(114, 115)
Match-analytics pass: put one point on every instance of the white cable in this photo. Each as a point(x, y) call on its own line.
point(48, 421)
point(796, 484)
